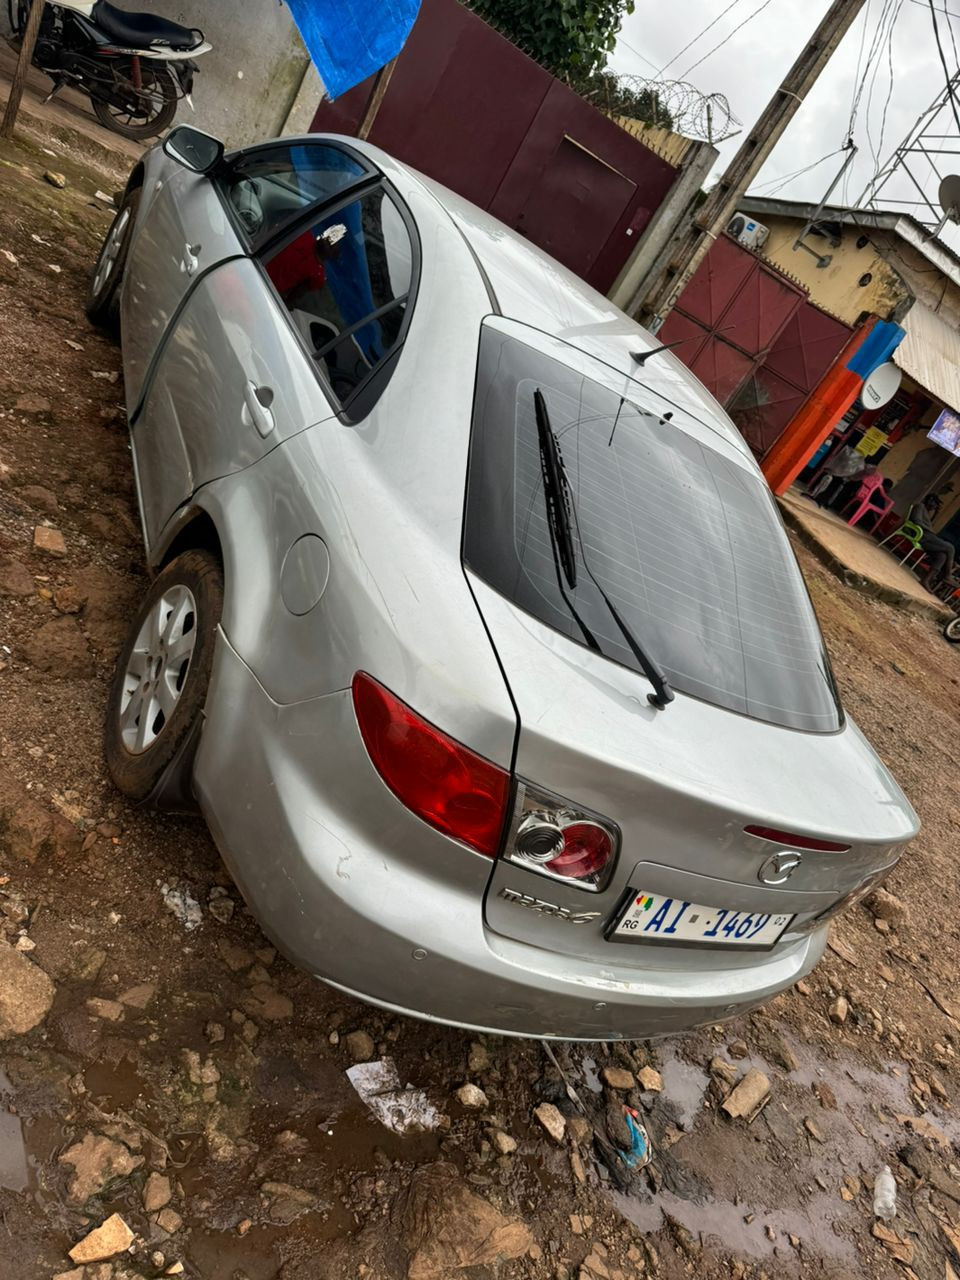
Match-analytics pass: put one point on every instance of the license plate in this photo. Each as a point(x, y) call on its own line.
point(649, 917)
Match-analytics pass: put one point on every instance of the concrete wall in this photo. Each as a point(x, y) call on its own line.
point(836, 287)
point(247, 86)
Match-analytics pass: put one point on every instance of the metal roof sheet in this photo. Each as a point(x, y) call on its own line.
point(930, 354)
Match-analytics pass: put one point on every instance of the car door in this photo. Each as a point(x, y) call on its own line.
point(245, 362)
point(185, 231)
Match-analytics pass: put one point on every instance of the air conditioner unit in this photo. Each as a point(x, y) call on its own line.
point(747, 232)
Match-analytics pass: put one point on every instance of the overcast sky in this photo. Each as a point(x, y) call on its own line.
point(750, 66)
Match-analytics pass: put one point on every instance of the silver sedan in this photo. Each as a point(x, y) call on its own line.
point(474, 633)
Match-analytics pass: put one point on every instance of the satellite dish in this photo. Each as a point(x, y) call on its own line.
point(882, 385)
point(950, 197)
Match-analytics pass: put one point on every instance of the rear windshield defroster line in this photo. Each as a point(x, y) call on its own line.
point(686, 543)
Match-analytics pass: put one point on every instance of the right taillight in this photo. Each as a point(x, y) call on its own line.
point(439, 779)
point(558, 839)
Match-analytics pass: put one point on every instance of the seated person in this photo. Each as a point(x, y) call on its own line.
point(941, 552)
point(841, 478)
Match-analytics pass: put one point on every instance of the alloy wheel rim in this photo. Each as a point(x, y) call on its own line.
point(157, 669)
point(111, 251)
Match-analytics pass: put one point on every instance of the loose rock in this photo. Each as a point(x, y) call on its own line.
point(883, 905)
point(50, 540)
point(445, 1227)
point(60, 649)
point(169, 1221)
point(468, 1095)
point(113, 1237)
point(502, 1143)
point(55, 179)
point(26, 993)
point(551, 1120)
point(618, 1078)
point(749, 1095)
point(157, 1193)
point(96, 1162)
point(650, 1080)
point(360, 1046)
point(108, 1010)
point(838, 1010)
point(15, 579)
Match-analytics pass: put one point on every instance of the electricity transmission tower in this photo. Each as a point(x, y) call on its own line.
point(916, 178)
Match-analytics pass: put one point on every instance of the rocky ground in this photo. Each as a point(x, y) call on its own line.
point(173, 1095)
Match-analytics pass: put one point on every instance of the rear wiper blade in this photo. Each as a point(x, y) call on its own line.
point(560, 506)
point(556, 491)
point(558, 500)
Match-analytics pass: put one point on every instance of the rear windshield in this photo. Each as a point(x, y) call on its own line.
point(687, 546)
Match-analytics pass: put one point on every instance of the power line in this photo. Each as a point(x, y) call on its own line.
point(779, 183)
point(886, 105)
point(727, 38)
point(733, 4)
point(943, 63)
point(855, 97)
point(621, 39)
point(947, 12)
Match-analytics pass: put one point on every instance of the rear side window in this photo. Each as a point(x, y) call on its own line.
point(346, 280)
point(269, 187)
point(686, 544)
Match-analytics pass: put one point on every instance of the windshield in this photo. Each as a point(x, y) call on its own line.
point(687, 544)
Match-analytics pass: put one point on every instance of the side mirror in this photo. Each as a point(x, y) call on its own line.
point(196, 151)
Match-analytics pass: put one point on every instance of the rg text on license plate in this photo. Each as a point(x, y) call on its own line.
point(649, 917)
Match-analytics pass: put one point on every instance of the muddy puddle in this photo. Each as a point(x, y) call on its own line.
point(14, 1167)
point(861, 1133)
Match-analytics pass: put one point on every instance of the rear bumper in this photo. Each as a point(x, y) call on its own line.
point(356, 890)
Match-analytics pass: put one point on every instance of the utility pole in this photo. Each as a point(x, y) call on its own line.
point(28, 37)
point(721, 204)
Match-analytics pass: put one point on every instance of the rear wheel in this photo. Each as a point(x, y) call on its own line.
point(160, 685)
point(144, 112)
point(952, 631)
point(103, 292)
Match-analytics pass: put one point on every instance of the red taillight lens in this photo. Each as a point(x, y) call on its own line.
point(795, 841)
point(439, 779)
point(587, 848)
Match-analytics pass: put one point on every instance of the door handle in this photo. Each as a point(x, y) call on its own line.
point(191, 259)
point(256, 408)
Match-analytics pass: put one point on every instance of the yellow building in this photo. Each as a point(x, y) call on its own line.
point(857, 263)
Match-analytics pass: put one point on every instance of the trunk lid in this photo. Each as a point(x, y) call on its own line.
point(681, 785)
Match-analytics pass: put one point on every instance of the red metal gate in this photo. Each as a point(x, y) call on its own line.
point(753, 337)
point(471, 110)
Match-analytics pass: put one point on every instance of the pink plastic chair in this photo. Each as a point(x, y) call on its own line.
point(872, 498)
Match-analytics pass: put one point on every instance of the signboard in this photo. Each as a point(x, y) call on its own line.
point(872, 442)
point(946, 432)
point(881, 386)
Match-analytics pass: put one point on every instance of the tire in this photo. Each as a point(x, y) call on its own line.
point(160, 685)
point(165, 85)
point(952, 631)
point(103, 292)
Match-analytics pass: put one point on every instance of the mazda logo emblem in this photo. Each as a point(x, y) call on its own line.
point(779, 867)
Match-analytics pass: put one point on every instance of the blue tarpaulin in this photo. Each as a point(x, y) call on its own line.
point(349, 40)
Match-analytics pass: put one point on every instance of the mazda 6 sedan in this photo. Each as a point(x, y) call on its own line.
point(474, 633)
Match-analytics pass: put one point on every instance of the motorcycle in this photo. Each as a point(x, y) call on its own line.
point(135, 67)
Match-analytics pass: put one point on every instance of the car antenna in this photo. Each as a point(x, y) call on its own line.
point(642, 357)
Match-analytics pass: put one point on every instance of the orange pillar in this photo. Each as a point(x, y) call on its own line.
point(810, 425)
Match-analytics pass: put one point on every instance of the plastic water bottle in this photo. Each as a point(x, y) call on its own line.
point(885, 1195)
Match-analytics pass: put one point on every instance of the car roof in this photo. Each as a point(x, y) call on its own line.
point(531, 287)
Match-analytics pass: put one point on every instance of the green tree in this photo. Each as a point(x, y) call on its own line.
point(570, 37)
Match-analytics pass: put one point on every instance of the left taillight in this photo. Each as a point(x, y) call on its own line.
point(437, 778)
point(556, 838)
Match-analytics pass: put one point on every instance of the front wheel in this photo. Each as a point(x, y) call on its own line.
point(103, 292)
point(144, 112)
point(160, 685)
point(952, 631)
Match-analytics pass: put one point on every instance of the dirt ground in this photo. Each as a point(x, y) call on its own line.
point(193, 1083)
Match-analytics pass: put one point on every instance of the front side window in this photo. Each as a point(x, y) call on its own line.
point(269, 187)
point(684, 542)
point(346, 280)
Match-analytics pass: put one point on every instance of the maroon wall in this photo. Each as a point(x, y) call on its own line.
point(467, 108)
